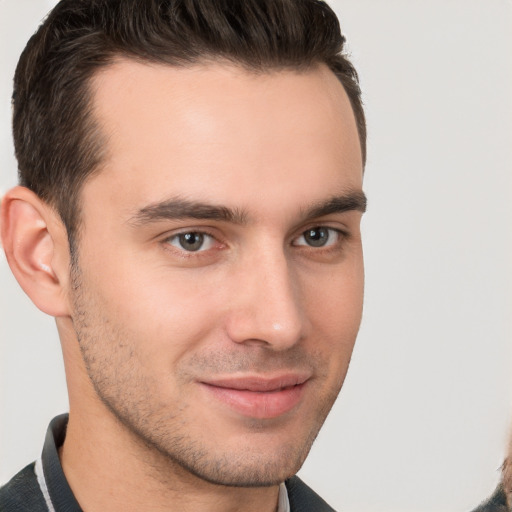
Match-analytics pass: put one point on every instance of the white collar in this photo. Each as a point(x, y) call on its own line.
point(283, 502)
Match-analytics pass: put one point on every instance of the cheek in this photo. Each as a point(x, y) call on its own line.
point(334, 303)
point(336, 294)
point(160, 309)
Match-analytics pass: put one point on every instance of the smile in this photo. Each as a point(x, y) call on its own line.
point(257, 397)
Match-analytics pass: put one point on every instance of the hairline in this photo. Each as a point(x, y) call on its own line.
point(95, 134)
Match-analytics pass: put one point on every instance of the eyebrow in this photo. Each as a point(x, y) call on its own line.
point(352, 201)
point(177, 209)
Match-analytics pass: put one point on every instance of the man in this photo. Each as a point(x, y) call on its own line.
point(188, 210)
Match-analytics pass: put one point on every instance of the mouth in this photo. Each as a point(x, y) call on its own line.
point(258, 397)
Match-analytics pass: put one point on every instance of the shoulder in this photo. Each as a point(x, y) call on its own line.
point(496, 503)
point(22, 493)
point(303, 498)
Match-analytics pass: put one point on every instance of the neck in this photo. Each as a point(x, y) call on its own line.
point(108, 470)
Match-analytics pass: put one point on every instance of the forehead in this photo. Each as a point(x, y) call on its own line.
point(202, 130)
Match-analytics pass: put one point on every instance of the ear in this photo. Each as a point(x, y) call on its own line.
point(35, 244)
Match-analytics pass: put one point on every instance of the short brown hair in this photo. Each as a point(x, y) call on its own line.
point(57, 142)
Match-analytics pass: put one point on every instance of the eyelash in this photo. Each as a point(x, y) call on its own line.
point(184, 253)
point(340, 235)
point(191, 253)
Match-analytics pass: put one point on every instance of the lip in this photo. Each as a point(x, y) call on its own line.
point(258, 397)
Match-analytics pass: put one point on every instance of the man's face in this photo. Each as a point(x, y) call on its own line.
point(219, 280)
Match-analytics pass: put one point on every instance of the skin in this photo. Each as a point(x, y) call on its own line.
point(149, 328)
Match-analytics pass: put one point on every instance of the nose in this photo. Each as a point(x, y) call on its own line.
point(266, 306)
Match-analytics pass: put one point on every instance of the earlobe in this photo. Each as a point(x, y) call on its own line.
point(32, 238)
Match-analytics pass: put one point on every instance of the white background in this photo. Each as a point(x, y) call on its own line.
point(422, 422)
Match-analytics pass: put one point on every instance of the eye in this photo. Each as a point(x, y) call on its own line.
point(318, 237)
point(192, 241)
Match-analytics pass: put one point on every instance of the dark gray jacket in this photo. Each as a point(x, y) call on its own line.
point(496, 503)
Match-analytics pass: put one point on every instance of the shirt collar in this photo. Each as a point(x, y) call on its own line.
point(54, 486)
point(57, 487)
point(283, 501)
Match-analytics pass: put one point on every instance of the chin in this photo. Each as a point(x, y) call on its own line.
point(249, 473)
point(255, 461)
